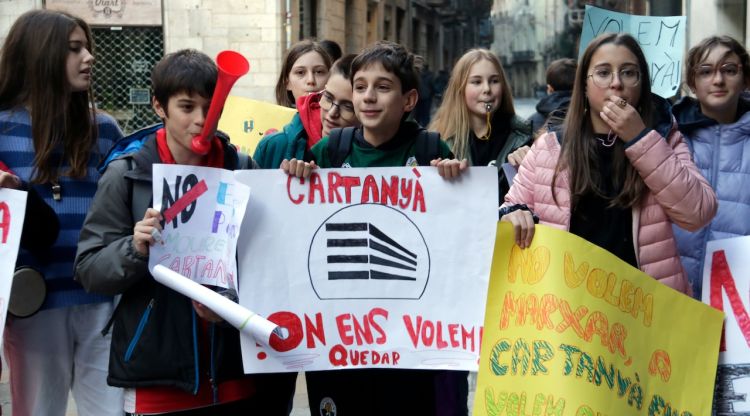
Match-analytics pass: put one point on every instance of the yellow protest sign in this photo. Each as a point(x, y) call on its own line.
point(572, 330)
point(247, 121)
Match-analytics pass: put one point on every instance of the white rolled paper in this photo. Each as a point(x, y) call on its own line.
point(236, 315)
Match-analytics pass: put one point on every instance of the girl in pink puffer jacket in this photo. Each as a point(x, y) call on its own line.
point(622, 174)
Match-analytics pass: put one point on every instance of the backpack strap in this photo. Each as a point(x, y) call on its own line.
point(128, 144)
point(137, 192)
point(340, 145)
point(427, 147)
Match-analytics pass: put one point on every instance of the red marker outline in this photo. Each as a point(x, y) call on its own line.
point(187, 199)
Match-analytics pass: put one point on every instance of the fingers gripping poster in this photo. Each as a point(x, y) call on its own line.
point(572, 330)
point(726, 287)
point(12, 212)
point(202, 209)
point(379, 267)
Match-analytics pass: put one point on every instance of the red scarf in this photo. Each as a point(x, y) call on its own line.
point(214, 158)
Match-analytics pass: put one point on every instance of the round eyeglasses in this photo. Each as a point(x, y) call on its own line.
point(728, 70)
point(603, 77)
point(346, 109)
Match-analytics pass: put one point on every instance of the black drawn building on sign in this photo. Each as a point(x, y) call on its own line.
point(368, 251)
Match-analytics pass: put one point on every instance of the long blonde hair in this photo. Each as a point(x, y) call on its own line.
point(452, 118)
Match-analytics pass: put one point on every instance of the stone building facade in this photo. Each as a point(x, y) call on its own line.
point(529, 34)
point(262, 30)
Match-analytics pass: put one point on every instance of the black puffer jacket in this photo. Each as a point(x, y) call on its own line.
point(555, 104)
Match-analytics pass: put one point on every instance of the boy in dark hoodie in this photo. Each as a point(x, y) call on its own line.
point(169, 353)
point(561, 74)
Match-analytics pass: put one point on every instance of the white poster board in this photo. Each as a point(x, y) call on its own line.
point(378, 267)
point(12, 212)
point(202, 210)
point(726, 286)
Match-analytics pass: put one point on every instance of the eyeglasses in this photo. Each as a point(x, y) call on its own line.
point(603, 77)
point(346, 109)
point(727, 70)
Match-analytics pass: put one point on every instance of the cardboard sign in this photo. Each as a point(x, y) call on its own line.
point(377, 267)
point(662, 39)
point(247, 121)
point(202, 209)
point(726, 287)
point(570, 329)
point(12, 212)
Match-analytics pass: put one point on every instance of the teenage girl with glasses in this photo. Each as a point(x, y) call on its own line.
point(716, 126)
point(617, 173)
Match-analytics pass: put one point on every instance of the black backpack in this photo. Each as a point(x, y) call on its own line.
point(340, 145)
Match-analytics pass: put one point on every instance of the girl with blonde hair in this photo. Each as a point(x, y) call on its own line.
point(477, 118)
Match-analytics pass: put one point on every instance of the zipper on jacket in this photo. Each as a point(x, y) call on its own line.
point(195, 352)
point(212, 371)
point(139, 330)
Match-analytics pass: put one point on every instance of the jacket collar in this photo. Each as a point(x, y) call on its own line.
point(554, 101)
point(148, 154)
point(689, 117)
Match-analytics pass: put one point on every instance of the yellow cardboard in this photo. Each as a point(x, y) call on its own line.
point(572, 330)
point(247, 121)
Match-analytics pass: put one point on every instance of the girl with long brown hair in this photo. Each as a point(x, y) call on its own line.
point(618, 173)
point(305, 70)
point(304, 73)
point(52, 137)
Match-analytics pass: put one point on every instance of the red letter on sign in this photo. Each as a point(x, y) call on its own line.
point(721, 277)
point(4, 220)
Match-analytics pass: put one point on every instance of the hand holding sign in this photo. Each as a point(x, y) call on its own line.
point(146, 231)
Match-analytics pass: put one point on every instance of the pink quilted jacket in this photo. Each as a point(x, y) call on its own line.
point(677, 193)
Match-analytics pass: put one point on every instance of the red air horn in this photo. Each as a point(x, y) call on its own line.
point(231, 66)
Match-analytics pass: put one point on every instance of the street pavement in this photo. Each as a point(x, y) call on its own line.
point(301, 407)
point(525, 107)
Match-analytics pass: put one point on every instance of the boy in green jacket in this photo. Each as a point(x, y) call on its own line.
point(385, 82)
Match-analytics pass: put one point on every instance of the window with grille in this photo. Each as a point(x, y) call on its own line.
point(122, 73)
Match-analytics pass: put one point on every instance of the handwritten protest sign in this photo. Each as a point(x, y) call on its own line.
point(247, 121)
point(726, 286)
point(202, 209)
point(572, 330)
point(379, 267)
point(12, 212)
point(662, 39)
